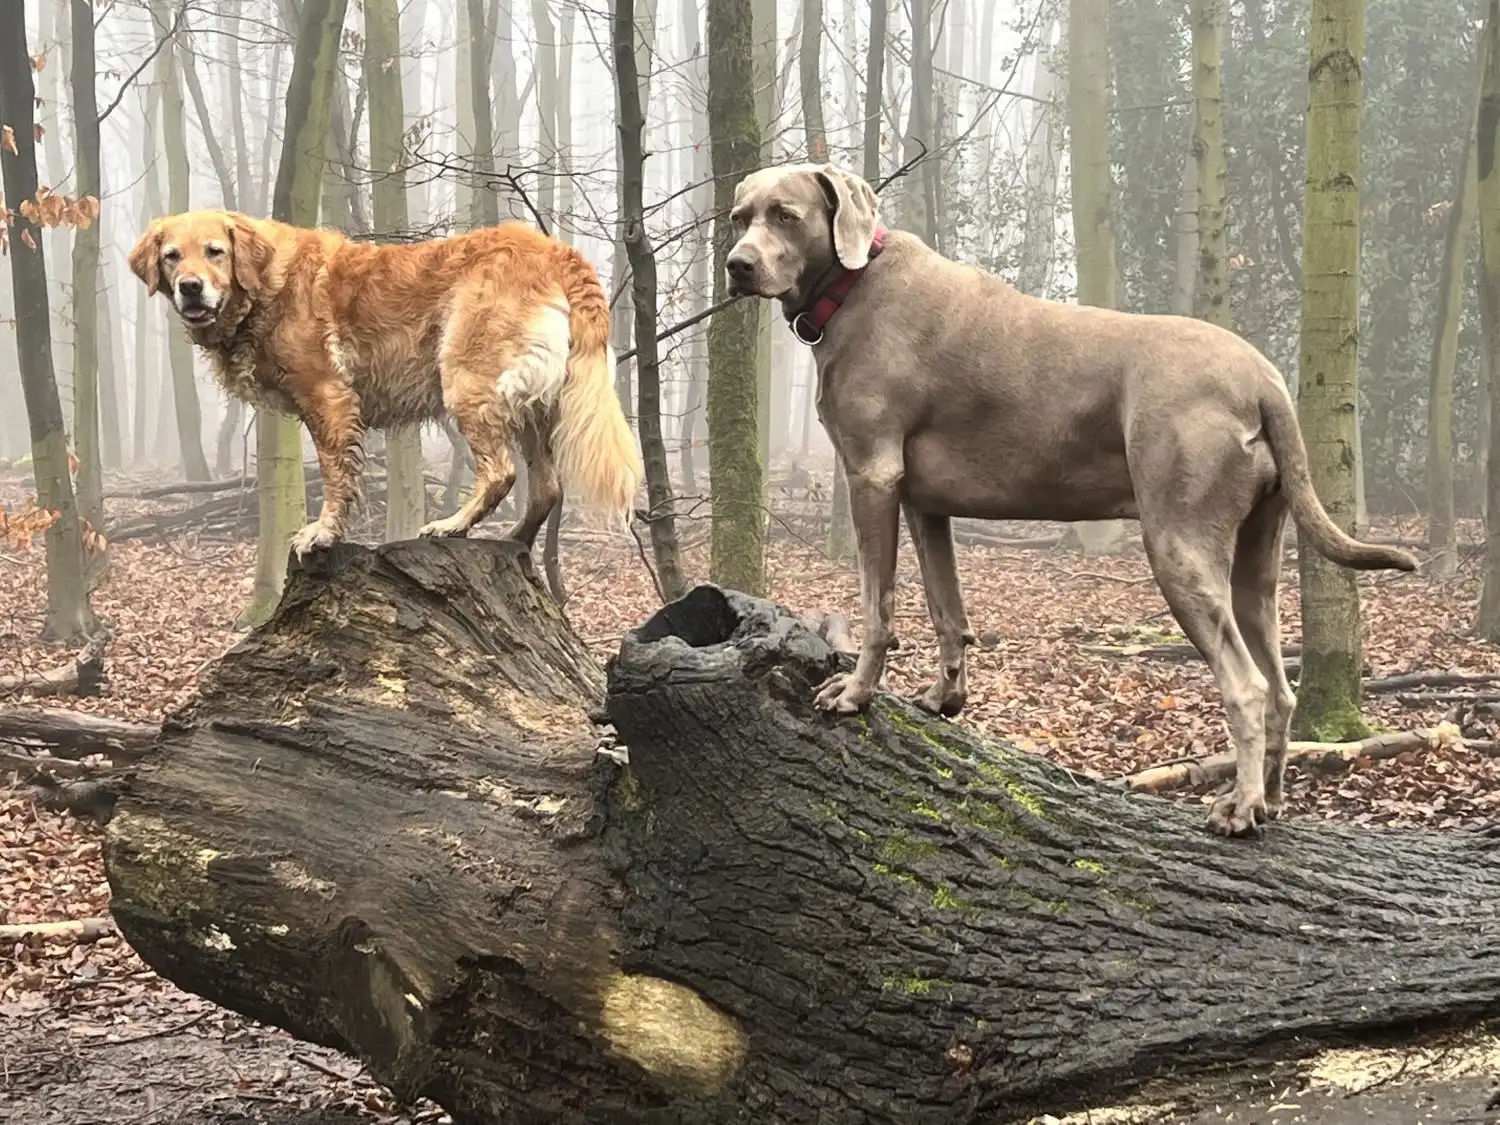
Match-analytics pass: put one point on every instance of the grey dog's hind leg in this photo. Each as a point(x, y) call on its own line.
point(1257, 572)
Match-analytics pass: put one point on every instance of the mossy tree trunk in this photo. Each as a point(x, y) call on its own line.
point(1208, 151)
point(632, 126)
point(1093, 220)
point(762, 915)
point(1441, 540)
point(1487, 154)
point(186, 410)
point(1327, 394)
point(299, 182)
point(86, 178)
point(69, 615)
point(736, 472)
point(406, 495)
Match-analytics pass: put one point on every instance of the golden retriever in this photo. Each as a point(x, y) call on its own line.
point(505, 329)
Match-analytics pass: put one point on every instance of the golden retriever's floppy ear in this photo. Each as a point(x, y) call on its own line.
point(145, 258)
point(853, 215)
point(253, 253)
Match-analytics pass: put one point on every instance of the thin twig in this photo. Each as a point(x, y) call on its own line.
point(136, 73)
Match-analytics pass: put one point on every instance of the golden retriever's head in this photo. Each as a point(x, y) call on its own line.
point(200, 259)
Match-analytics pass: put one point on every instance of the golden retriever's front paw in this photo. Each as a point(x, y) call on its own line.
point(443, 529)
point(316, 536)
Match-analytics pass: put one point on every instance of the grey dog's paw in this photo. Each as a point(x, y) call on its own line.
point(844, 693)
point(943, 698)
point(1237, 813)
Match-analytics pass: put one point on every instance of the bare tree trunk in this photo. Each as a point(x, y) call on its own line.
point(1093, 226)
point(1327, 391)
point(737, 475)
point(216, 154)
point(1185, 281)
point(643, 298)
point(1487, 624)
point(69, 615)
point(546, 105)
point(567, 21)
point(810, 79)
point(1043, 159)
point(179, 348)
point(484, 208)
point(1212, 169)
point(1441, 540)
point(90, 476)
point(701, 201)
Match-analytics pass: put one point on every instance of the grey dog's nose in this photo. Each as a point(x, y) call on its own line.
point(190, 287)
point(741, 266)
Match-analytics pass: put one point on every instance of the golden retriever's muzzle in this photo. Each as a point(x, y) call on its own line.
point(196, 302)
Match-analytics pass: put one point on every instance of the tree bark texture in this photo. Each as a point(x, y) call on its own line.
point(810, 80)
point(631, 127)
point(1487, 624)
point(736, 472)
point(68, 612)
point(1093, 192)
point(1208, 151)
point(1327, 396)
point(86, 178)
point(386, 824)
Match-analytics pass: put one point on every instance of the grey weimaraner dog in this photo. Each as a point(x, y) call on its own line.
point(948, 393)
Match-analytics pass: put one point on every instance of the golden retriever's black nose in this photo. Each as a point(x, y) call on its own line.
point(190, 287)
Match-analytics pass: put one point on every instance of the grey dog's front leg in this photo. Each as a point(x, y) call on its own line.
point(874, 505)
point(932, 535)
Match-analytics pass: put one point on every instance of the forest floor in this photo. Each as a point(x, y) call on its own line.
point(91, 1036)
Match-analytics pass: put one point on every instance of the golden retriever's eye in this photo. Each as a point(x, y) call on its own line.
point(215, 251)
point(171, 254)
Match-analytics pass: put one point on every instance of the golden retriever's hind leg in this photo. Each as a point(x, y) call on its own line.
point(543, 484)
point(494, 472)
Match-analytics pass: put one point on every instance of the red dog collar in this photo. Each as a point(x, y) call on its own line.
point(808, 324)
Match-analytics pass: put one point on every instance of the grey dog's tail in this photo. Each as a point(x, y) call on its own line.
point(1313, 521)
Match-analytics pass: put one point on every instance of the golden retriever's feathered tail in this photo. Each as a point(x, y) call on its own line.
point(596, 452)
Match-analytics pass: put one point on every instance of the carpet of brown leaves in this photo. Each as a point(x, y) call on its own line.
point(93, 1035)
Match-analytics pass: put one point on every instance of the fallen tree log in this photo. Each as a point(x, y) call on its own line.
point(83, 675)
point(386, 825)
point(74, 734)
point(1319, 755)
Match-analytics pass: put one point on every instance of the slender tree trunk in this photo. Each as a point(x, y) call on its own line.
point(112, 366)
point(567, 21)
point(1212, 170)
point(216, 155)
point(54, 18)
point(632, 126)
point(86, 178)
point(466, 44)
point(1043, 158)
point(1093, 226)
point(623, 314)
point(485, 204)
point(1440, 514)
point(231, 28)
point(144, 322)
point(268, 143)
point(1488, 149)
point(701, 201)
point(810, 79)
point(546, 106)
point(179, 348)
point(1185, 281)
point(763, 62)
point(406, 495)
point(734, 465)
point(920, 210)
point(299, 182)
point(69, 615)
point(1327, 394)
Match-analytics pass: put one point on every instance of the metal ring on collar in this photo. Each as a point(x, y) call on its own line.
point(805, 330)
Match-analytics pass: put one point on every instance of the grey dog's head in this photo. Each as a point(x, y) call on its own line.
point(791, 224)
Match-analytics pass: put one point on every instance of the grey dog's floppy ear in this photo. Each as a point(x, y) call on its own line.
point(853, 215)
